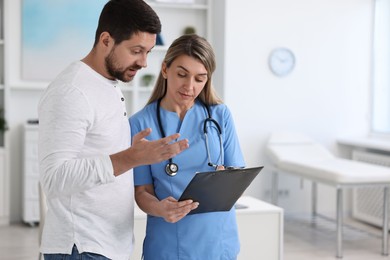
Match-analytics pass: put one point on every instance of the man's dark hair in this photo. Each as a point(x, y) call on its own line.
point(123, 18)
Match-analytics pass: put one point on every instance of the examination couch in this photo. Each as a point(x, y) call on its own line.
point(299, 155)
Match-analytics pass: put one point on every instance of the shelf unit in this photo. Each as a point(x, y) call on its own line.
point(4, 180)
point(195, 14)
point(2, 82)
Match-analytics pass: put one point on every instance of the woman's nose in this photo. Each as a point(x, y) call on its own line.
point(190, 82)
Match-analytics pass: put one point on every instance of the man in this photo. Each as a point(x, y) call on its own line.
point(84, 142)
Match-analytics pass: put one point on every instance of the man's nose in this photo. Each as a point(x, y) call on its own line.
point(142, 61)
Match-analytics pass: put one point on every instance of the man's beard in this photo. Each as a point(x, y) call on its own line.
point(115, 71)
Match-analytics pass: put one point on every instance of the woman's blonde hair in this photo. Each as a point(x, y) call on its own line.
point(196, 47)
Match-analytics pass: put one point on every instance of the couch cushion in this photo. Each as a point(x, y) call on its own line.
point(308, 159)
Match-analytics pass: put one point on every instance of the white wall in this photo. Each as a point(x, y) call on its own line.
point(327, 94)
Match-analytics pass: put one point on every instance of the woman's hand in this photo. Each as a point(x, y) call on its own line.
point(172, 210)
point(169, 208)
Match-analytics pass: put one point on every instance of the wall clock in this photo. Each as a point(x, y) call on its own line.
point(281, 61)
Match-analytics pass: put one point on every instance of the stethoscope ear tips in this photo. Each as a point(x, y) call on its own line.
point(171, 169)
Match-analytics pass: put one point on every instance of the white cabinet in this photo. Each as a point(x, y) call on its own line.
point(175, 18)
point(260, 227)
point(4, 199)
point(31, 175)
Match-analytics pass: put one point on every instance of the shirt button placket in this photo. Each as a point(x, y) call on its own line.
point(123, 100)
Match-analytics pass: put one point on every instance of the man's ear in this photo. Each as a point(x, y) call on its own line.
point(106, 39)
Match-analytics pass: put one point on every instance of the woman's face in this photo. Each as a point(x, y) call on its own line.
point(186, 78)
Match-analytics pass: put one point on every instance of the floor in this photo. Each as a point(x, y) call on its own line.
point(304, 239)
point(19, 242)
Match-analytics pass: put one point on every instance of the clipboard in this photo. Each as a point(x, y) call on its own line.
point(218, 190)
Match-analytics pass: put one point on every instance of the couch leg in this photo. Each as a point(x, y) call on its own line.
point(275, 184)
point(313, 203)
point(385, 235)
point(339, 219)
point(314, 198)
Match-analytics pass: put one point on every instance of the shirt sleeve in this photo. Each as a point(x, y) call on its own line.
point(142, 174)
point(232, 150)
point(64, 119)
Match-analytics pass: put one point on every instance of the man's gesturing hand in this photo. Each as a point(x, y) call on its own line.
point(156, 151)
point(144, 152)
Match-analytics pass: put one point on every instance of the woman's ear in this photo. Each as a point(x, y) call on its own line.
point(164, 70)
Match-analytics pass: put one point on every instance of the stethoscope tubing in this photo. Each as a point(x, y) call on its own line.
point(172, 168)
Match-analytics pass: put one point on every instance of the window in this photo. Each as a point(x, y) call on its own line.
point(381, 69)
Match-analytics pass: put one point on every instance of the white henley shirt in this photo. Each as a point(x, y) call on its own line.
point(82, 120)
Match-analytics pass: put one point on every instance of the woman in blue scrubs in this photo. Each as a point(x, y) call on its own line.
point(178, 104)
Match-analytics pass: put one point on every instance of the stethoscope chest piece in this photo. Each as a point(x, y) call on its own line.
point(171, 169)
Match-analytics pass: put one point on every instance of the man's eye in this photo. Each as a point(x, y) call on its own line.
point(181, 75)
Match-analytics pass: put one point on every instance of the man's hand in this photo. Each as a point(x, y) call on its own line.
point(144, 152)
point(150, 152)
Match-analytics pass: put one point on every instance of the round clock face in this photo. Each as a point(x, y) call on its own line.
point(281, 61)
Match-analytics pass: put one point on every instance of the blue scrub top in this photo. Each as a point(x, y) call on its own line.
point(199, 236)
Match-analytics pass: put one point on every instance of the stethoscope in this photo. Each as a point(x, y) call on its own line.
point(172, 168)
